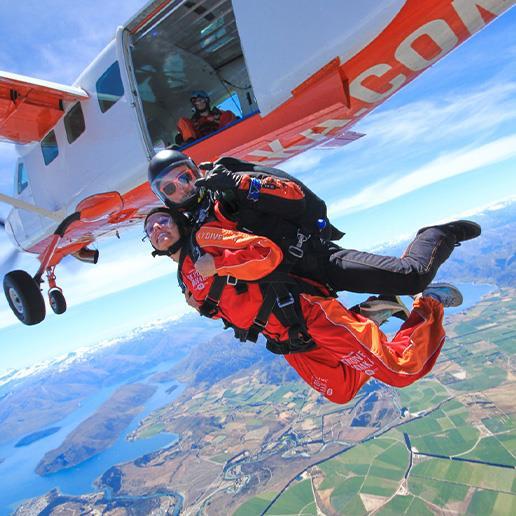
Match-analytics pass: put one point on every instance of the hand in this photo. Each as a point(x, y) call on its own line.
point(205, 266)
point(220, 178)
point(206, 165)
point(191, 300)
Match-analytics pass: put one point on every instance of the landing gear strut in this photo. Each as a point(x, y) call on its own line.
point(23, 291)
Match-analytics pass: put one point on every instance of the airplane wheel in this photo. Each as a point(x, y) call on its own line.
point(24, 297)
point(57, 301)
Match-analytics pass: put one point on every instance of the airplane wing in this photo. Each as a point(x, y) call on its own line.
point(29, 107)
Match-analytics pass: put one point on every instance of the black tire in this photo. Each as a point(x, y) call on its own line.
point(24, 297)
point(57, 301)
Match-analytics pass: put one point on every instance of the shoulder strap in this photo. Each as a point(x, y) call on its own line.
point(210, 305)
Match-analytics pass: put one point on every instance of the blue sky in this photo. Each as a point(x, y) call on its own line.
point(445, 145)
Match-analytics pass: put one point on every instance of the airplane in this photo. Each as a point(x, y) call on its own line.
point(297, 74)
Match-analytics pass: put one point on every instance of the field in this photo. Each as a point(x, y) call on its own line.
point(454, 446)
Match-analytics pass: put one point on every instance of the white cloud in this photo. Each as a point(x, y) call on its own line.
point(57, 40)
point(462, 112)
point(446, 166)
point(468, 214)
point(122, 264)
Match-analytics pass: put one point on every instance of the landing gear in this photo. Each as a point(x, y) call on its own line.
point(24, 297)
point(57, 301)
point(55, 294)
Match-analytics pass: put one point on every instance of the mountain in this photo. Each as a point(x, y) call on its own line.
point(40, 396)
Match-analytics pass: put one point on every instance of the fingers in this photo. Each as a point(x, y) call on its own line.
point(205, 266)
point(191, 300)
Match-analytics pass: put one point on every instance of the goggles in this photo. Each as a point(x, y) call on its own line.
point(169, 186)
point(160, 218)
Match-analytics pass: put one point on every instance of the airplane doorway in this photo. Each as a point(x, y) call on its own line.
point(192, 47)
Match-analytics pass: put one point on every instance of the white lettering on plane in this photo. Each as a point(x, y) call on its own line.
point(407, 55)
point(441, 34)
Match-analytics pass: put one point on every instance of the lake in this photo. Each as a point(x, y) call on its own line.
point(19, 482)
point(472, 293)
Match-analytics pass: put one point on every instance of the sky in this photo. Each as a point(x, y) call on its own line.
point(443, 146)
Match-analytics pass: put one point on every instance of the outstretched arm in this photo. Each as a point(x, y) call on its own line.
point(259, 191)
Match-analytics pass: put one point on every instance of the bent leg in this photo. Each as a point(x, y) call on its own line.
point(357, 271)
point(335, 381)
point(358, 343)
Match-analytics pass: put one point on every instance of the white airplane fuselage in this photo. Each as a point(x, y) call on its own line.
point(264, 77)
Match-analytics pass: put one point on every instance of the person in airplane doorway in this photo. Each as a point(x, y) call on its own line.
point(204, 121)
point(239, 278)
point(269, 202)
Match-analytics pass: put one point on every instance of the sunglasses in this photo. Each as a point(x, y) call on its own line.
point(182, 179)
point(161, 219)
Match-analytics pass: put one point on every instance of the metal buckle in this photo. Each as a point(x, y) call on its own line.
point(296, 252)
point(282, 303)
point(259, 323)
point(211, 301)
point(231, 280)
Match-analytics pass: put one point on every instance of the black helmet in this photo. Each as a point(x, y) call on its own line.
point(166, 179)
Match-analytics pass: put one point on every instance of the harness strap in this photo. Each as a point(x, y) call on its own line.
point(289, 313)
point(262, 317)
point(211, 303)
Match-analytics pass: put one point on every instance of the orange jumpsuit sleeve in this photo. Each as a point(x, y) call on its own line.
point(276, 187)
point(226, 117)
point(241, 255)
point(187, 129)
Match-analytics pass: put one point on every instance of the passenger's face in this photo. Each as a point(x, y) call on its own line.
point(179, 184)
point(162, 231)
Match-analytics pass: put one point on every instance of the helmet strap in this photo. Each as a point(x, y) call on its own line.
point(174, 248)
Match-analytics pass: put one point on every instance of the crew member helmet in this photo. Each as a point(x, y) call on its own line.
point(199, 94)
point(172, 177)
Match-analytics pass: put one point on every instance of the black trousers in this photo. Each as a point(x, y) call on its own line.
point(357, 271)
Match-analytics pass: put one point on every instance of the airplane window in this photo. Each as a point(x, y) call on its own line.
point(74, 123)
point(23, 180)
point(109, 87)
point(49, 147)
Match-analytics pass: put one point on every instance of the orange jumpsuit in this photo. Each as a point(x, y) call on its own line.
point(202, 125)
point(350, 348)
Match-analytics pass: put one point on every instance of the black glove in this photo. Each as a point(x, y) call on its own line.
point(206, 165)
point(219, 179)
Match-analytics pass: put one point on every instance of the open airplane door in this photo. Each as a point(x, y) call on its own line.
point(316, 34)
point(30, 107)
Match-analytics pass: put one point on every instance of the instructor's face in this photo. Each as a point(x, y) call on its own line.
point(179, 184)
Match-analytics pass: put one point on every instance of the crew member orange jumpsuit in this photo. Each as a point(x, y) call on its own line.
point(203, 125)
point(350, 348)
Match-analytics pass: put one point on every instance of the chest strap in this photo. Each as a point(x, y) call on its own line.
point(278, 299)
point(210, 306)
